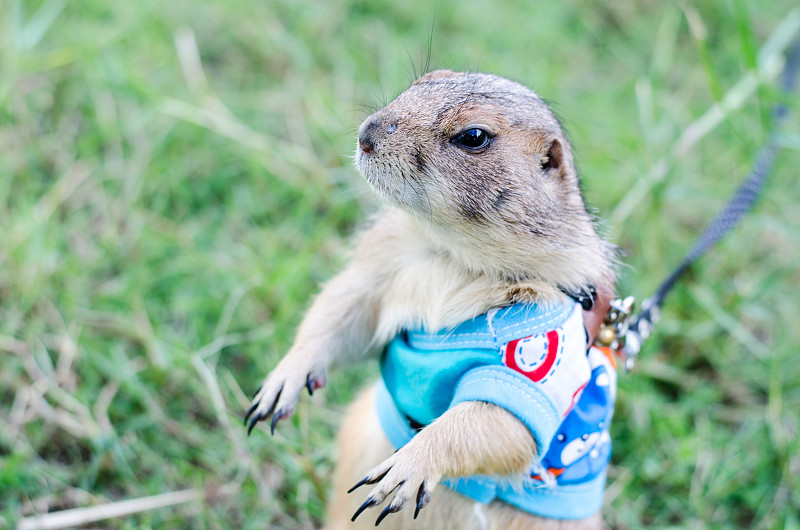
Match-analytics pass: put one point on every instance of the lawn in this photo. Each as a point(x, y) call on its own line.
point(176, 182)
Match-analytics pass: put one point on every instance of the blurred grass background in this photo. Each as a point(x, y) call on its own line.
point(176, 182)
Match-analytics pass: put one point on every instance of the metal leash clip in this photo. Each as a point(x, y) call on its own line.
point(615, 331)
point(640, 328)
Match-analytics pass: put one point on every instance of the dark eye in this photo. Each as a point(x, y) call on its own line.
point(472, 139)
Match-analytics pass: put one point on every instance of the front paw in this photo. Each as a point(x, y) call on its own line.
point(410, 472)
point(277, 396)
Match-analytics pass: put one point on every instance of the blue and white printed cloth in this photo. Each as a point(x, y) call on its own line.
point(531, 360)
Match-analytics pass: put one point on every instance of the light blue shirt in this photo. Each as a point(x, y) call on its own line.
point(530, 360)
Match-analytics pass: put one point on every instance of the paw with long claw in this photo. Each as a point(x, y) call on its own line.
point(277, 397)
point(404, 472)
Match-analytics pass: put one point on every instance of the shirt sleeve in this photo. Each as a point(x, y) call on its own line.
point(514, 392)
point(538, 378)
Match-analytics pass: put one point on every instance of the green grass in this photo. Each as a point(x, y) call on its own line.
point(165, 220)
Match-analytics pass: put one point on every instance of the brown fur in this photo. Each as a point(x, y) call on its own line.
point(464, 232)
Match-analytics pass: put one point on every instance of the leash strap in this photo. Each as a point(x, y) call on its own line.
point(625, 332)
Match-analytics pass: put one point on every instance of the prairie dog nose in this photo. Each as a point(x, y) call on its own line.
point(366, 145)
point(370, 131)
point(366, 134)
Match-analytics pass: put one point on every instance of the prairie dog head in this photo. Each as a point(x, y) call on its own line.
point(482, 162)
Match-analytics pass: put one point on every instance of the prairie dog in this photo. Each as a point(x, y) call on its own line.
point(484, 211)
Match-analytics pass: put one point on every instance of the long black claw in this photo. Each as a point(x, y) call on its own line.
point(262, 415)
point(423, 498)
point(360, 483)
point(309, 385)
point(275, 419)
point(386, 511)
point(253, 423)
point(367, 504)
point(367, 480)
point(252, 409)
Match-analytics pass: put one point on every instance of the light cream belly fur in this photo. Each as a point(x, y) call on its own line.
point(363, 445)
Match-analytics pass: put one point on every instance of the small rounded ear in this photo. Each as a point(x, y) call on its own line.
point(554, 158)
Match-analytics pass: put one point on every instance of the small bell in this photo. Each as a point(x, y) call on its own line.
point(606, 336)
point(613, 331)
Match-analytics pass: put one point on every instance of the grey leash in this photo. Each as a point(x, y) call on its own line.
point(624, 332)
